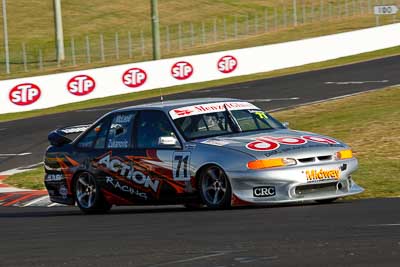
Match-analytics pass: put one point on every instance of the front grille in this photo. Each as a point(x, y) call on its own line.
point(313, 159)
point(323, 158)
point(306, 160)
point(316, 188)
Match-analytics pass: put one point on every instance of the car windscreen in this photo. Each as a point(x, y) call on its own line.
point(220, 123)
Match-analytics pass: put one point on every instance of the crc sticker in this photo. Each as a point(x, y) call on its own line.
point(182, 70)
point(269, 143)
point(24, 94)
point(264, 191)
point(81, 85)
point(322, 175)
point(134, 77)
point(181, 166)
point(227, 64)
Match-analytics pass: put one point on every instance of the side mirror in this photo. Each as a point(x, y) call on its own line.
point(286, 124)
point(168, 141)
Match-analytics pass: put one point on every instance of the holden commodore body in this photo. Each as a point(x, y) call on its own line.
point(216, 152)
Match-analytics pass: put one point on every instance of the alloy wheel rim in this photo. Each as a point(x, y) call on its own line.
point(86, 190)
point(214, 185)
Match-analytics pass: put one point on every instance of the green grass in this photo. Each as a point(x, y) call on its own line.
point(368, 122)
point(190, 87)
point(95, 17)
point(28, 180)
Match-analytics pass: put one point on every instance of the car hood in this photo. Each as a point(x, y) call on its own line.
point(277, 143)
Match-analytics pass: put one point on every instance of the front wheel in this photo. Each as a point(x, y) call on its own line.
point(215, 189)
point(88, 195)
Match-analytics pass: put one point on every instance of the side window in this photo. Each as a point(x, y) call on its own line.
point(151, 126)
point(120, 132)
point(88, 140)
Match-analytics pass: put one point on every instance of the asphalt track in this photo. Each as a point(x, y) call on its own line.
point(359, 233)
point(346, 233)
point(30, 135)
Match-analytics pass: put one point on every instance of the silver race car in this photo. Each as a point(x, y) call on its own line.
point(214, 152)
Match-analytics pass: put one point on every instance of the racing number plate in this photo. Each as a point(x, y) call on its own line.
point(181, 166)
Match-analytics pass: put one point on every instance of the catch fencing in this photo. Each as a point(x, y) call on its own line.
point(52, 90)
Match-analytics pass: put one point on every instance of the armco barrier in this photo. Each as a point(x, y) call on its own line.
point(52, 90)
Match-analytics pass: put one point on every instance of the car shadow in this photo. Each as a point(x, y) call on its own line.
point(70, 211)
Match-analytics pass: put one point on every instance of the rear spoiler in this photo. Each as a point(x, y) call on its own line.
point(74, 129)
point(58, 137)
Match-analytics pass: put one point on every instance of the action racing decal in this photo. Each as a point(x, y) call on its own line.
point(209, 108)
point(269, 143)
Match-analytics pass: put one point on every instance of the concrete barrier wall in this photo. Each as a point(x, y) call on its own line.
point(39, 92)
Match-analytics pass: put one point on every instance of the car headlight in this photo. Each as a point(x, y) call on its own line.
point(344, 154)
point(270, 163)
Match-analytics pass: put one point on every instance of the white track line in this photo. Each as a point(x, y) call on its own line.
point(384, 225)
point(356, 82)
point(20, 169)
point(36, 200)
point(191, 259)
point(273, 99)
point(328, 99)
point(16, 155)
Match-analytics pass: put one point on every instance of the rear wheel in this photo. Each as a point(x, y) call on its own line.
point(326, 201)
point(88, 195)
point(215, 189)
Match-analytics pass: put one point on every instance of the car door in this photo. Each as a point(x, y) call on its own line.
point(165, 164)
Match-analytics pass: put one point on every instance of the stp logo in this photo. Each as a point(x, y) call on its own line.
point(134, 77)
point(182, 70)
point(25, 94)
point(81, 85)
point(227, 64)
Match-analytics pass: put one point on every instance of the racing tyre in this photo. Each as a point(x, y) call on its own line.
point(215, 189)
point(88, 195)
point(326, 201)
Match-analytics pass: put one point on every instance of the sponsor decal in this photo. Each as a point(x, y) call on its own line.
point(54, 177)
point(268, 143)
point(124, 119)
point(264, 191)
point(321, 175)
point(134, 77)
point(81, 85)
point(63, 192)
point(227, 64)
point(128, 171)
point(117, 144)
point(124, 188)
point(182, 70)
point(75, 129)
point(215, 142)
point(25, 94)
point(209, 108)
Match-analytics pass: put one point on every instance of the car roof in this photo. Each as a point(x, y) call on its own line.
point(173, 104)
